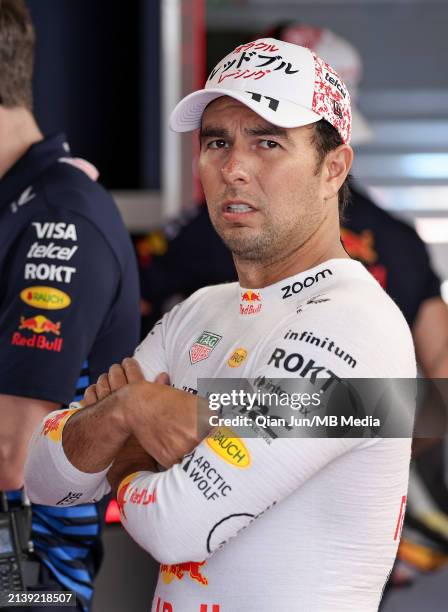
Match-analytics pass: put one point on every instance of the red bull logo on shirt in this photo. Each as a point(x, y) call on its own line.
point(203, 346)
point(142, 496)
point(53, 426)
point(359, 246)
point(250, 303)
point(122, 493)
point(191, 568)
point(39, 325)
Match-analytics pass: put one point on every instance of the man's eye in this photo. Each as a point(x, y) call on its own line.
point(268, 144)
point(217, 144)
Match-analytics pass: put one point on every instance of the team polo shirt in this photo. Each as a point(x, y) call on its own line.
point(267, 522)
point(68, 310)
point(392, 252)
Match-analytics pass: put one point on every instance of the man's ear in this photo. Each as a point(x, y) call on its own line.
point(336, 166)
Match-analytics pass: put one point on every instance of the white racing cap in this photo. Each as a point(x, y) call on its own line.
point(287, 85)
point(341, 54)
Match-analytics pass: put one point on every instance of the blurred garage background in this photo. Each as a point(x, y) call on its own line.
point(109, 73)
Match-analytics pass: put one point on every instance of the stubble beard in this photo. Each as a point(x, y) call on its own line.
point(263, 246)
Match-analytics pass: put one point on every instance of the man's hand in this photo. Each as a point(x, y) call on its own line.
point(118, 376)
point(93, 436)
point(121, 404)
point(131, 458)
point(167, 422)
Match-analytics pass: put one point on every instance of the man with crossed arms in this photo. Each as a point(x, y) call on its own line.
point(268, 523)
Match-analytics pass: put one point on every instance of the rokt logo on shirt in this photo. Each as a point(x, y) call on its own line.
point(46, 298)
point(49, 272)
point(203, 346)
point(229, 447)
point(62, 231)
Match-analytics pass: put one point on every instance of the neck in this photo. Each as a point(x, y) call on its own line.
point(18, 131)
point(322, 245)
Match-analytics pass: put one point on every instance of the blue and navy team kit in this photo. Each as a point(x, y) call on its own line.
point(68, 309)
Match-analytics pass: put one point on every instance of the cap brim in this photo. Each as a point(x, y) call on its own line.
point(361, 131)
point(187, 115)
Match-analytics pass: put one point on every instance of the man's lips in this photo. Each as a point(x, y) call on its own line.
point(232, 208)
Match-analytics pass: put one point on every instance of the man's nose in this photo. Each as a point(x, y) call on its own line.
point(235, 170)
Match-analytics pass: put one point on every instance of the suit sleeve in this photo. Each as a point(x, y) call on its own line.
point(61, 280)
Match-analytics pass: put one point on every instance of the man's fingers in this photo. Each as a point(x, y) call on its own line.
point(90, 396)
point(117, 377)
point(102, 387)
point(162, 378)
point(132, 370)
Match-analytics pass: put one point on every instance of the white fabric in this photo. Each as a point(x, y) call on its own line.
point(328, 542)
point(344, 58)
point(283, 524)
point(50, 478)
point(280, 81)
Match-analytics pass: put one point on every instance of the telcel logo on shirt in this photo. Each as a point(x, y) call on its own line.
point(46, 298)
point(229, 447)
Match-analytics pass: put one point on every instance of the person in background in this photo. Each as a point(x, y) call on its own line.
point(68, 304)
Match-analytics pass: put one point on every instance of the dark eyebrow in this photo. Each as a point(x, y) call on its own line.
point(212, 131)
point(267, 130)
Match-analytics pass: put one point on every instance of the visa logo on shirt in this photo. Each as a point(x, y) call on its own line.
point(62, 231)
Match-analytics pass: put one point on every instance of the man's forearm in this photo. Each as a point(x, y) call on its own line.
point(93, 436)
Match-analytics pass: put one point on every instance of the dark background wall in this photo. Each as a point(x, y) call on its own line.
point(97, 78)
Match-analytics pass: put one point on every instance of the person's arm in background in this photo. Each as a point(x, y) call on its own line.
point(19, 417)
point(430, 333)
point(42, 350)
